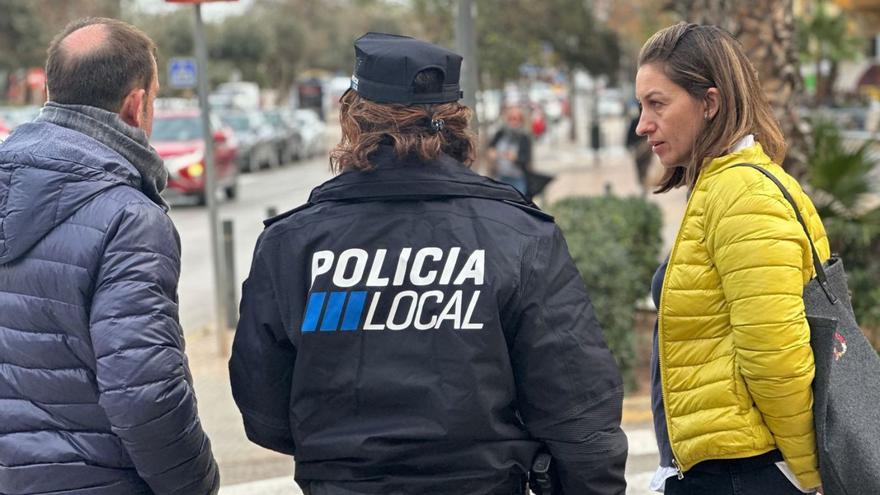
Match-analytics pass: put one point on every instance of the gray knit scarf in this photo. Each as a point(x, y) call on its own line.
point(108, 129)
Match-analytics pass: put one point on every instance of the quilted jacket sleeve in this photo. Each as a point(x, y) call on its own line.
point(570, 393)
point(758, 248)
point(142, 372)
point(261, 366)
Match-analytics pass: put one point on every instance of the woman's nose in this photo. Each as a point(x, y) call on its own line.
point(644, 126)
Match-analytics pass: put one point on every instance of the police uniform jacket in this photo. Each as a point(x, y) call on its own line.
point(419, 328)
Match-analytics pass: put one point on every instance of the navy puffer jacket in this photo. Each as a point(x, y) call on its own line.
point(95, 391)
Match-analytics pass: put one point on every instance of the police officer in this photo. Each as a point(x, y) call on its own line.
point(417, 328)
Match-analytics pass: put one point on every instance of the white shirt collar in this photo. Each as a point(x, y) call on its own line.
point(745, 142)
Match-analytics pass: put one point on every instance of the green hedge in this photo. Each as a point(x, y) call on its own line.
point(615, 243)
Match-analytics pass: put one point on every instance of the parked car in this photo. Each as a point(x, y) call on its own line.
point(256, 140)
point(242, 95)
point(12, 117)
point(15, 116)
point(288, 140)
point(177, 137)
point(312, 130)
point(4, 130)
point(611, 102)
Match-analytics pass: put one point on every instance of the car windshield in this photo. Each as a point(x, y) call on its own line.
point(15, 116)
point(177, 129)
point(305, 117)
point(239, 123)
point(274, 119)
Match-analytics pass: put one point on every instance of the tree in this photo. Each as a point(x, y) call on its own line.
point(243, 43)
point(577, 38)
point(634, 22)
point(435, 19)
point(841, 186)
point(23, 37)
point(503, 39)
point(766, 29)
point(173, 35)
point(286, 41)
point(825, 39)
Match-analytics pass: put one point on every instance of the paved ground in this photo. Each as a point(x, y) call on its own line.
point(251, 470)
point(640, 467)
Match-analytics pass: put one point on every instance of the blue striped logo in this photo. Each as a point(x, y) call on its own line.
point(334, 311)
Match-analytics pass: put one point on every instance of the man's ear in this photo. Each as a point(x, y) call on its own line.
point(132, 111)
point(711, 102)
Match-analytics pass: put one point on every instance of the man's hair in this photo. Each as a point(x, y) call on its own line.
point(366, 124)
point(103, 75)
point(696, 58)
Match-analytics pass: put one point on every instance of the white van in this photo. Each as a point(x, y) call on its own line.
point(241, 95)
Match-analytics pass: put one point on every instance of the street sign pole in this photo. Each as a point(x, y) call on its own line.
point(220, 279)
point(466, 44)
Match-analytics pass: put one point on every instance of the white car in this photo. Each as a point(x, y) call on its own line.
point(12, 117)
point(312, 129)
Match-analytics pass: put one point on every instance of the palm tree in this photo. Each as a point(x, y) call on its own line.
point(824, 38)
point(845, 195)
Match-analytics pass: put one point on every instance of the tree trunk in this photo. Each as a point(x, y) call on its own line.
point(766, 29)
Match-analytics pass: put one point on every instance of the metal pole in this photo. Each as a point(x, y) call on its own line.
point(466, 45)
point(595, 124)
point(229, 258)
point(210, 183)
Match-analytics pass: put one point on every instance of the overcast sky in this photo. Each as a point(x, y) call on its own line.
point(211, 11)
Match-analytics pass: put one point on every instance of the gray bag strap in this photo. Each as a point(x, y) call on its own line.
point(817, 263)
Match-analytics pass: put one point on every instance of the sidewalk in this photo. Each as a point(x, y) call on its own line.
point(640, 468)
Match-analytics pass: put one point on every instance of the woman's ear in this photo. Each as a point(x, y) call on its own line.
point(711, 103)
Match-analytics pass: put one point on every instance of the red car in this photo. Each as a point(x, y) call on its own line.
point(177, 137)
point(4, 131)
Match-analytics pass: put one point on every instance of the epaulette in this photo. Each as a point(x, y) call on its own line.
point(281, 216)
point(532, 210)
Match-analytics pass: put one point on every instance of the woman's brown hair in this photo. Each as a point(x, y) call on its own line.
point(697, 58)
point(366, 124)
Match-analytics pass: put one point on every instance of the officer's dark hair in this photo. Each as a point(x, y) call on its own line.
point(366, 124)
point(102, 75)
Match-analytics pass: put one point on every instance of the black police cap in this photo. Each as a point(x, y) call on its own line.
point(387, 64)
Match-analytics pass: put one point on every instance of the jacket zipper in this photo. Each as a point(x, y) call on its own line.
point(675, 464)
point(678, 472)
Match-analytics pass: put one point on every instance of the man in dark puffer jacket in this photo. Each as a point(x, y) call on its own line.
point(95, 391)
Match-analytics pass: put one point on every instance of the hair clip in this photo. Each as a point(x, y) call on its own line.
point(437, 125)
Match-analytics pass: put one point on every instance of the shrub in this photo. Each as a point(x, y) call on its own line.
point(615, 243)
point(840, 183)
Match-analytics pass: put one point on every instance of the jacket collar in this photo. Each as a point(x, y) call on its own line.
point(129, 142)
point(408, 178)
point(751, 154)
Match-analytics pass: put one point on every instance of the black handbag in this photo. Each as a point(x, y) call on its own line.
point(536, 182)
point(846, 387)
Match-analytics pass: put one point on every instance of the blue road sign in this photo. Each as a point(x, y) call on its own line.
point(182, 73)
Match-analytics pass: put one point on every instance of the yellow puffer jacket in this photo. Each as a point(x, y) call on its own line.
point(735, 357)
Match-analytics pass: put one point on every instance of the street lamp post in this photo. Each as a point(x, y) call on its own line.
point(466, 44)
point(220, 275)
point(211, 183)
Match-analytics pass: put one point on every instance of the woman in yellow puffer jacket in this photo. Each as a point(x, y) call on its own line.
point(733, 363)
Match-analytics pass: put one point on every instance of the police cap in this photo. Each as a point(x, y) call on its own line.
point(387, 64)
